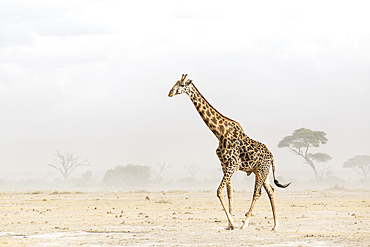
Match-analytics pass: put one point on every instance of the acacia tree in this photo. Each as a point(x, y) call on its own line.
point(69, 162)
point(359, 163)
point(300, 142)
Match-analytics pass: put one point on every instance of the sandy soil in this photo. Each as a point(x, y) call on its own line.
point(180, 218)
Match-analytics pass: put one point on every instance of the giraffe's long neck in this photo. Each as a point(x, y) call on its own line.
point(216, 122)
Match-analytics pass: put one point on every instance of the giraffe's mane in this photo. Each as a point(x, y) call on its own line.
point(222, 115)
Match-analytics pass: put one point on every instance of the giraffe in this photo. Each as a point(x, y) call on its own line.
point(236, 151)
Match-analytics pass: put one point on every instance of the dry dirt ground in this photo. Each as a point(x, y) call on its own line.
point(180, 218)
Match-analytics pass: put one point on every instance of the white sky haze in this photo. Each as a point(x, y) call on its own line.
point(92, 77)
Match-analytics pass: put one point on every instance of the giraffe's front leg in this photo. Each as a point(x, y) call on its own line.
point(229, 189)
point(225, 180)
point(256, 194)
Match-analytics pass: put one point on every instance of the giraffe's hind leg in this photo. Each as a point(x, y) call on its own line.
point(271, 194)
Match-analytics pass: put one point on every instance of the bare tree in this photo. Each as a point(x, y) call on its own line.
point(192, 169)
point(69, 162)
point(162, 167)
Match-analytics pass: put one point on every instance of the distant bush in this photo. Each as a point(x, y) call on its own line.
point(332, 179)
point(86, 180)
point(129, 175)
point(187, 181)
point(329, 181)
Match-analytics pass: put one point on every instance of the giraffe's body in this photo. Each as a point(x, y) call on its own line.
point(236, 151)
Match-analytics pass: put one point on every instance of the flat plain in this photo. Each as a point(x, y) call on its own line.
point(181, 218)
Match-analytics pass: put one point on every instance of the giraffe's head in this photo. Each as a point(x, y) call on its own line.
point(181, 86)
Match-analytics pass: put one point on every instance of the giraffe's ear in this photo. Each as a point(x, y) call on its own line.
point(188, 82)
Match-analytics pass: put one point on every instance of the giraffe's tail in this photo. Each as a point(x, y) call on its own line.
point(275, 180)
point(281, 185)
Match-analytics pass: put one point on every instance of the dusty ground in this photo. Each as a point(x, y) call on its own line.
point(307, 218)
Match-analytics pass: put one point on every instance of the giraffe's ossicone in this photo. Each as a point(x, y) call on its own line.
point(236, 151)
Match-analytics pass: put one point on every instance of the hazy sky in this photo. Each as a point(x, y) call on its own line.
point(92, 77)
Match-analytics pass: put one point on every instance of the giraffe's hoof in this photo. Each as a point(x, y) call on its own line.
point(230, 228)
point(274, 229)
point(244, 225)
